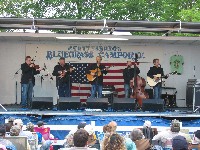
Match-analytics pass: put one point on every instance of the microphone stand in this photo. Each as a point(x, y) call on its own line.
point(97, 81)
point(69, 81)
point(16, 85)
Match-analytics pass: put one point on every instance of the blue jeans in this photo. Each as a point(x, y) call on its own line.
point(96, 88)
point(127, 90)
point(64, 90)
point(157, 91)
point(27, 92)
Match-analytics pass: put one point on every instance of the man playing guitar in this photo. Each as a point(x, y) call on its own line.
point(152, 73)
point(97, 82)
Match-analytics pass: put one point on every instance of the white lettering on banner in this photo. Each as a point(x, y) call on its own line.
point(81, 52)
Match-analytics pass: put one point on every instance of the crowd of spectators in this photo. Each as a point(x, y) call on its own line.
point(85, 138)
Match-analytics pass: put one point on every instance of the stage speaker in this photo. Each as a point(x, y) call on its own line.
point(124, 104)
point(153, 105)
point(42, 103)
point(97, 103)
point(65, 103)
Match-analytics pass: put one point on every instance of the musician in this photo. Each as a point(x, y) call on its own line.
point(62, 72)
point(97, 83)
point(156, 69)
point(28, 81)
point(128, 74)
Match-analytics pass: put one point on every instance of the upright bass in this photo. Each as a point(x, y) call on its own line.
point(138, 87)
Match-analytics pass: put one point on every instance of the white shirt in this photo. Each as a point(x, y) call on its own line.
point(165, 135)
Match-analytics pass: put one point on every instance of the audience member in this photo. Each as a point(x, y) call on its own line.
point(15, 130)
point(70, 135)
point(3, 141)
point(130, 145)
point(138, 138)
point(45, 131)
point(19, 123)
point(88, 128)
point(164, 136)
point(196, 138)
point(80, 139)
point(147, 130)
point(9, 124)
point(179, 143)
point(114, 142)
point(92, 137)
point(113, 126)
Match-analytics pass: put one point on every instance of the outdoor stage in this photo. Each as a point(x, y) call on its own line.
point(171, 113)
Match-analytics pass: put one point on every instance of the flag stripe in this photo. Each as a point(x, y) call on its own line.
point(81, 86)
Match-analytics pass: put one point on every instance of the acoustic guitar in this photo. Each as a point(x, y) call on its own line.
point(153, 82)
point(97, 72)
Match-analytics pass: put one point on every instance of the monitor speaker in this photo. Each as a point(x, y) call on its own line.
point(68, 103)
point(124, 104)
point(97, 103)
point(153, 105)
point(42, 103)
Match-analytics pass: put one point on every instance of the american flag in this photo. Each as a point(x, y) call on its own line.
point(81, 86)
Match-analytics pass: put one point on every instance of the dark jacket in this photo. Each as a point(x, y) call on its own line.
point(66, 78)
point(154, 71)
point(128, 74)
point(28, 73)
point(99, 78)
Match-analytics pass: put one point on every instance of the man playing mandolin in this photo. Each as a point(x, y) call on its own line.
point(96, 71)
point(157, 73)
point(62, 72)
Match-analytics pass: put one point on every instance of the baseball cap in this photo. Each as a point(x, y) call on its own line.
point(179, 142)
point(82, 125)
point(18, 122)
point(41, 123)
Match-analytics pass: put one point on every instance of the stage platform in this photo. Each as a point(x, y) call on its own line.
point(168, 113)
point(61, 122)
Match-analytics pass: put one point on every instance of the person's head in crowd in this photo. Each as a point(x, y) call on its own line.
point(147, 124)
point(113, 126)
point(136, 134)
point(9, 124)
point(80, 138)
point(114, 142)
point(41, 124)
point(19, 123)
point(30, 127)
point(107, 128)
point(81, 125)
point(175, 126)
point(3, 147)
point(130, 145)
point(15, 130)
point(196, 138)
point(2, 131)
point(92, 137)
point(179, 143)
